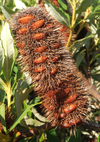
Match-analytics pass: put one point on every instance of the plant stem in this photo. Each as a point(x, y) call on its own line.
point(9, 93)
point(73, 21)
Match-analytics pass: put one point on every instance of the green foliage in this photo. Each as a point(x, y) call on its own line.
point(2, 116)
point(58, 13)
point(52, 136)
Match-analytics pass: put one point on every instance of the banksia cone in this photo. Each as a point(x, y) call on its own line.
point(41, 43)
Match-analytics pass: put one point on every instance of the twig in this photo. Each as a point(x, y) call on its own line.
point(33, 132)
point(92, 126)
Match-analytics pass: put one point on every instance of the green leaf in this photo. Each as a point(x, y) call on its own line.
point(38, 116)
point(2, 116)
point(2, 95)
point(98, 140)
point(96, 77)
point(77, 138)
point(62, 4)
point(1, 55)
point(33, 122)
point(8, 46)
point(84, 5)
point(42, 138)
point(52, 136)
point(93, 15)
point(79, 58)
point(79, 43)
point(6, 14)
point(57, 13)
point(20, 95)
point(21, 116)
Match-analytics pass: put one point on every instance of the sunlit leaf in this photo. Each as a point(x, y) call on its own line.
point(98, 140)
point(38, 116)
point(8, 46)
point(58, 13)
point(33, 122)
point(42, 138)
point(62, 4)
point(19, 5)
point(1, 55)
point(6, 14)
point(2, 116)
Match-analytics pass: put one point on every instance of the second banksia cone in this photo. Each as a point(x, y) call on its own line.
point(41, 43)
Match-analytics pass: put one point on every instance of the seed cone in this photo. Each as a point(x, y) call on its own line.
point(51, 67)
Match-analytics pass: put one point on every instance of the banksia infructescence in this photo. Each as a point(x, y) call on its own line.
point(40, 41)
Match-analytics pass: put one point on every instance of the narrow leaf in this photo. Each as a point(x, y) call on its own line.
point(96, 77)
point(98, 140)
point(80, 58)
point(6, 14)
point(1, 56)
point(62, 4)
point(84, 5)
point(57, 13)
point(2, 116)
point(2, 95)
point(8, 46)
point(21, 116)
point(52, 136)
point(79, 43)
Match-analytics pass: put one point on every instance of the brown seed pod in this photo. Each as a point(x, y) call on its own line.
point(37, 24)
point(40, 41)
point(39, 36)
point(26, 19)
point(40, 49)
point(21, 44)
point(39, 69)
point(69, 108)
point(71, 98)
point(23, 30)
point(40, 59)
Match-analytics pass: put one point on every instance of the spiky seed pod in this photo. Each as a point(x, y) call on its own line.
point(51, 67)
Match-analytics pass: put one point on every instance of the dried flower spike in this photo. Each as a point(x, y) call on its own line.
point(40, 41)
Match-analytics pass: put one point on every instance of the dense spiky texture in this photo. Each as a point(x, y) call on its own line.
point(41, 40)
